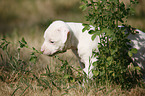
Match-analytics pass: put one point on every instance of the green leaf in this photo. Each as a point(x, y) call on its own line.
point(33, 48)
point(36, 50)
point(110, 72)
point(72, 80)
point(3, 39)
point(21, 44)
point(96, 34)
point(33, 53)
point(113, 74)
point(105, 30)
point(2, 44)
point(33, 59)
point(113, 51)
point(5, 47)
point(110, 58)
point(134, 50)
point(93, 37)
point(130, 54)
point(66, 76)
point(83, 7)
point(137, 68)
point(91, 32)
point(86, 27)
point(23, 41)
point(94, 63)
point(108, 32)
point(96, 73)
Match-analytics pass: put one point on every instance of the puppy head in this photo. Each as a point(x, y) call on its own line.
point(55, 38)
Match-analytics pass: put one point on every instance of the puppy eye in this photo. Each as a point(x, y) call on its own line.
point(51, 41)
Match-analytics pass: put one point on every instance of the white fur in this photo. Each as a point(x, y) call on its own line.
point(60, 36)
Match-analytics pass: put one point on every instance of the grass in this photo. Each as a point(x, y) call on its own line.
point(29, 19)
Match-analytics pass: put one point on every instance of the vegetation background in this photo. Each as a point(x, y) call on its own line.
point(29, 19)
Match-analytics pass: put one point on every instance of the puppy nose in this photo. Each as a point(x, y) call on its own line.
point(42, 50)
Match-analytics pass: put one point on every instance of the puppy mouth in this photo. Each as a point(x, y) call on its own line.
point(56, 53)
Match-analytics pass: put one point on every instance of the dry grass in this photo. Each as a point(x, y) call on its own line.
point(29, 19)
point(8, 89)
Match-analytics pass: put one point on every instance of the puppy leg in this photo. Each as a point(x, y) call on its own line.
point(88, 68)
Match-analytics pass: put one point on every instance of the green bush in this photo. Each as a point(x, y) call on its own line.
point(115, 52)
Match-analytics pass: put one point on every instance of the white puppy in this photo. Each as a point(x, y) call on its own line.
point(60, 36)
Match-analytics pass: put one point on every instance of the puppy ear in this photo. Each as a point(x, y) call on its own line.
point(65, 34)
